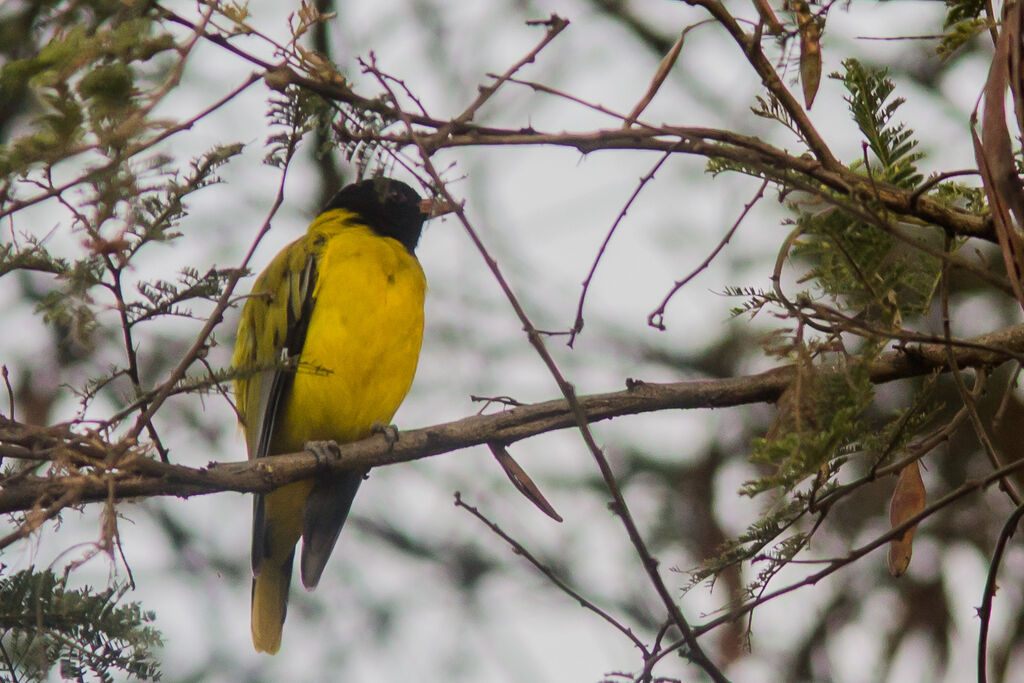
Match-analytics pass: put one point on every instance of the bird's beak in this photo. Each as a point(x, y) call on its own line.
point(434, 207)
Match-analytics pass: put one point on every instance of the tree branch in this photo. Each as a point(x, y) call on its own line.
point(138, 475)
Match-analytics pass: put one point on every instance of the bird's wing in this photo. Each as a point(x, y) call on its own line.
point(272, 332)
point(296, 304)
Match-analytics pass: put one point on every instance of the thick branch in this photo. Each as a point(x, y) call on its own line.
point(141, 476)
point(770, 161)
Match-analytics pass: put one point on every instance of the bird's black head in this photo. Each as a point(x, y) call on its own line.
point(388, 207)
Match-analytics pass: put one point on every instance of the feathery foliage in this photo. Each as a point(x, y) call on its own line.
point(89, 635)
point(857, 257)
point(892, 143)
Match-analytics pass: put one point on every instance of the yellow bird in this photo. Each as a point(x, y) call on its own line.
point(339, 312)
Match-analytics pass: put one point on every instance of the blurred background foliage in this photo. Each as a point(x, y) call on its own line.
point(147, 206)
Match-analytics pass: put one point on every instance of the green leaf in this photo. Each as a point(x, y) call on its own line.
point(872, 109)
point(960, 10)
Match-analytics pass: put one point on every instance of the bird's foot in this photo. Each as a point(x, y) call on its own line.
point(390, 432)
point(325, 451)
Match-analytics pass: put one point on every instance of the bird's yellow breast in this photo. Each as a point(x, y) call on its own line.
point(362, 343)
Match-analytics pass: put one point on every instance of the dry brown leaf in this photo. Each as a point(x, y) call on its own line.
point(1013, 23)
point(995, 135)
point(521, 480)
point(994, 150)
point(660, 75)
point(316, 64)
point(1006, 234)
point(907, 500)
point(810, 51)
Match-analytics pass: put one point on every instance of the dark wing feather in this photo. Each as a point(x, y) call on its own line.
point(299, 309)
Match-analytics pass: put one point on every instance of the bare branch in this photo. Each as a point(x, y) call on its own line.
point(137, 475)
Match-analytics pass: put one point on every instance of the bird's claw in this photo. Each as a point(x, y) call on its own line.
point(325, 451)
point(390, 432)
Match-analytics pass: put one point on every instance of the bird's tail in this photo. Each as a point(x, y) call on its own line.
point(270, 604)
point(322, 518)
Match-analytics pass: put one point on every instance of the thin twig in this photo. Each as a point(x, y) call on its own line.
point(10, 390)
point(751, 152)
point(223, 302)
point(927, 185)
point(577, 325)
point(9, 208)
point(985, 610)
point(657, 318)
point(752, 51)
point(11, 666)
point(968, 487)
point(555, 25)
point(619, 506)
point(37, 516)
point(521, 550)
point(969, 401)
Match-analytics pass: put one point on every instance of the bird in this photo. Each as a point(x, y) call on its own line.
point(327, 346)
